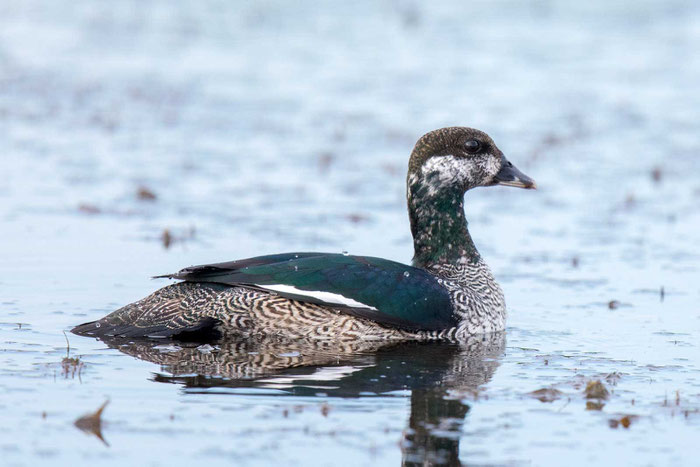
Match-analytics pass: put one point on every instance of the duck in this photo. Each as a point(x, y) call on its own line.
point(448, 291)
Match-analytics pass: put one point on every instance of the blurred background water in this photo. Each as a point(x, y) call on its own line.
point(137, 138)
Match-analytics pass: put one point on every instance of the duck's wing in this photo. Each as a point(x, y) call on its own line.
point(377, 289)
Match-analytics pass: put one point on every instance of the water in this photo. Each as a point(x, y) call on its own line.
point(275, 127)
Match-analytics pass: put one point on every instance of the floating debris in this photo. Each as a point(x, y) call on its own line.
point(614, 304)
point(594, 405)
point(325, 408)
point(574, 262)
point(325, 160)
point(613, 378)
point(167, 238)
point(657, 174)
point(88, 208)
point(546, 394)
point(662, 293)
point(145, 194)
point(596, 390)
point(357, 218)
point(625, 421)
point(70, 367)
point(92, 423)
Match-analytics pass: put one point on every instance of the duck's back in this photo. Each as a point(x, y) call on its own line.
point(315, 295)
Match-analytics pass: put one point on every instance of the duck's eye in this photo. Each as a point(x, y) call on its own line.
point(473, 146)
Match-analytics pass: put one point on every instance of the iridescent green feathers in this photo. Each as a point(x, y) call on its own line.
point(377, 289)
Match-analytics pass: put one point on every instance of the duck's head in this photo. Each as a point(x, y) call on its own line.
point(460, 158)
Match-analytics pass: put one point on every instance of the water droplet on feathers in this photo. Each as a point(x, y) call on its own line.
point(406, 274)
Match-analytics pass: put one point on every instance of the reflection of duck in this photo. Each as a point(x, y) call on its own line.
point(436, 373)
point(448, 293)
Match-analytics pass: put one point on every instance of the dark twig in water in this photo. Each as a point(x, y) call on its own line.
point(168, 238)
point(67, 344)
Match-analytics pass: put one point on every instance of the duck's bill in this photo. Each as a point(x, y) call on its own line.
point(509, 175)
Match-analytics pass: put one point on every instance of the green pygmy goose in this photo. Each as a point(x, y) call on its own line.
point(447, 293)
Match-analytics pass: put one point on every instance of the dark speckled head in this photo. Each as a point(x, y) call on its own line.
point(461, 158)
point(444, 164)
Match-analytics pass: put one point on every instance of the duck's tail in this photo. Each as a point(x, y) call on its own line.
point(101, 328)
point(179, 309)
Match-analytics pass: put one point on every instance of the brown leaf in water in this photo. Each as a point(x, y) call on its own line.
point(88, 208)
point(357, 218)
point(594, 405)
point(596, 390)
point(546, 394)
point(145, 194)
point(625, 421)
point(92, 423)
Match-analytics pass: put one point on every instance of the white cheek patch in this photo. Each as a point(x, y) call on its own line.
point(326, 297)
point(440, 171)
point(491, 166)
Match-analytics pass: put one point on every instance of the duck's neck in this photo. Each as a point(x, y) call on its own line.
point(439, 228)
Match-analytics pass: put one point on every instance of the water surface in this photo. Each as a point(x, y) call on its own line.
point(271, 127)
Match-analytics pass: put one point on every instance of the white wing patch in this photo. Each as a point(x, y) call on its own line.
point(326, 297)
